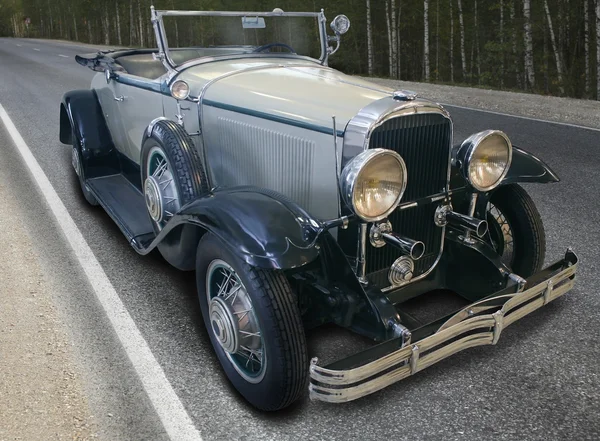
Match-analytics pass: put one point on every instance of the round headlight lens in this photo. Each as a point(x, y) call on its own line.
point(180, 90)
point(373, 183)
point(488, 159)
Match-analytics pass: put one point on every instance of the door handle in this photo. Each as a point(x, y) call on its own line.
point(119, 98)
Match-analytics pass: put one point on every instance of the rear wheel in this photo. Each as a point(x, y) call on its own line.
point(254, 324)
point(516, 230)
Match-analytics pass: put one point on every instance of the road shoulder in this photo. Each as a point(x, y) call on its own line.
point(40, 391)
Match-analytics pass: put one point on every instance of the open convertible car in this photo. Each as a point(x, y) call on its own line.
point(302, 196)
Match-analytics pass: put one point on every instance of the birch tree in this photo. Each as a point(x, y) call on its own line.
point(461, 24)
point(528, 44)
point(502, 44)
point(131, 24)
point(451, 41)
point(586, 45)
point(141, 23)
point(437, 40)
point(120, 41)
point(394, 40)
point(598, 50)
point(389, 35)
point(514, 43)
point(370, 61)
point(557, 55)
point(426, 38)
point(477, 49)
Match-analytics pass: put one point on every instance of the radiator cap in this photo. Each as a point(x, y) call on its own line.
point(405, 95)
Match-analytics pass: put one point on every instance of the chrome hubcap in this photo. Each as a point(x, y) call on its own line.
point(224, 324)
point(160, 192)
point(154, 201)
point(233, 321)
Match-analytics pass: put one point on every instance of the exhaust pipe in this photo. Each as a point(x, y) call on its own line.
point(412, 248)
point(477, 226)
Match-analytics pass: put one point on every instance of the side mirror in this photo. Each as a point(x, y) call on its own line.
point(340, 25)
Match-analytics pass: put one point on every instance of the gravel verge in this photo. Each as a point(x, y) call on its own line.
point(548, 108)
point(40, 391)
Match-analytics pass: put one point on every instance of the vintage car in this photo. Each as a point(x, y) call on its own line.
point(302, 196)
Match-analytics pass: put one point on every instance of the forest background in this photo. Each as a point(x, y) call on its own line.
point(543, 46)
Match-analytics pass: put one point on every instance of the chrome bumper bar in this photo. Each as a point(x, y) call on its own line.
point(466, 329)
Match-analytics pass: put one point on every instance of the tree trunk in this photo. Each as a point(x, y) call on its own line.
point(437, 41)
point(90, 36)
point(106, 26)
point(461, 23)
point(557, 56)
point(426, 38)
point(586, 36)
point(399, 43)
point(514, 44)
point(177, 28)
point(477, 51)
point(545, 57)
point(75, 28)
point(501, 44)
point(369, 39)
point(141, 24)
point(118, 23)
point(529, 70)
point(50, 17)
point(451, 42)
point(131, 24)
point(394, 40)
point(389, 35)
point(598, 49)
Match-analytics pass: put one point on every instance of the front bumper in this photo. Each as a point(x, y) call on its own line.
point(473, 326)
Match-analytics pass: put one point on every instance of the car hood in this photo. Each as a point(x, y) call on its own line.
point(286, 89)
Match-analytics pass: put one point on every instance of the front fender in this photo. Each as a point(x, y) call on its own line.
point(81, 114)
point(264, 228)
point(526, 167)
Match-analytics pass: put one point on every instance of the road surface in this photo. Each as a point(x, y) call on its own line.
point(542, 381)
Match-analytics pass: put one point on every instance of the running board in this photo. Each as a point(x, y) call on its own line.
point(125, 205)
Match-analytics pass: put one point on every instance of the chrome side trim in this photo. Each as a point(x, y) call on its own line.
point(470, 330)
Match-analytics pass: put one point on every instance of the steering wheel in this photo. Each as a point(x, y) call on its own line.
point(264, 47)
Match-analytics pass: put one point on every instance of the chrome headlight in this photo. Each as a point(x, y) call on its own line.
point(180, 90)
point(373, 183)
point(484, 159)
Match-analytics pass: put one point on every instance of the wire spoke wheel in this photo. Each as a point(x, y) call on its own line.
point(501, 234)
point(233, 321)
point(160, 189)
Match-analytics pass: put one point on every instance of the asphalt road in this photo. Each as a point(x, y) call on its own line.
point(542, 381)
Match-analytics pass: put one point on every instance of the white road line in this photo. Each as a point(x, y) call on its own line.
point(170, 410)
point(19, 45)
point(523, 117)
point(36, 49)
point(64, 56)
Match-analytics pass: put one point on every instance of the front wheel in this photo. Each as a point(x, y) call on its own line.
point(516, 230)
point(254, 324)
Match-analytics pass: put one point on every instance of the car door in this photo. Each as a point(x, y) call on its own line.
point(137, 105)
point(108, 102)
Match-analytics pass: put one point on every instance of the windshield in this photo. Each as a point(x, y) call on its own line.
point(187, 37)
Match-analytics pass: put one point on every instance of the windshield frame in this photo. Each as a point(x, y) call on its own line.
point(163, 46)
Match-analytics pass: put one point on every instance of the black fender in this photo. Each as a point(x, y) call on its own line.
point(526, 167)
point(264, 228)
point(80, 112)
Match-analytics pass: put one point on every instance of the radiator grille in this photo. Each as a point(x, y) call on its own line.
point(423, 141)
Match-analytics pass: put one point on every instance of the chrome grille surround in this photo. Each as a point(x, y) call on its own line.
point(358, 137)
